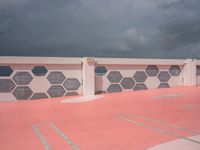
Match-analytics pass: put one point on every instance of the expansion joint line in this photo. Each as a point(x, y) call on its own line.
point(156, 129)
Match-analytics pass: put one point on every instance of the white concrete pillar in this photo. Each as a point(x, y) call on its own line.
point(189, 73)
point(88, 76)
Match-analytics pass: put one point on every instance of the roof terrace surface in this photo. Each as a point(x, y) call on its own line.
point(152, 119)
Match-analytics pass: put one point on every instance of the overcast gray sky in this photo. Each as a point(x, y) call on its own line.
point(103, 28)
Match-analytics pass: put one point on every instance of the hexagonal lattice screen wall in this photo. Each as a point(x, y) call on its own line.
point(43, 81)
point(71, 94)
point(39, 70)
point(39, 96)
point(164, 76)
point(140, 76)
point(125, 78)
point(152, 70)
point(163, 85)
point(114, 88)
point(114, 76)
point(100, 70)
point(22, 78)
point(6, 85)
point(56, 91)
point(30, 82)
point(56, 77)
point(127, 83)
point(71, 84)
point(140, 86)
point(175, 70)
point(5, 70)
point(22, 93)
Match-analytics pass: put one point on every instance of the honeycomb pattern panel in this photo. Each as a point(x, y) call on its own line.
point(175, 70)
point(39, 96)
point(140, 86)
point(164, 76)
point(152, 70)
point(56, 77)
point(198, 70)
point(147, 77)
point(22, 78)
point(114, 88)
point(38, 78)
point(6, 85)
point(100, 70)
point(127, 83)
point(71, 94)
point(140, 76)
point(71, 84)
point(163, 85)
point(56, 91)
point(5, 70)
point(22, 93)
point(114, 76)
point(39, 70)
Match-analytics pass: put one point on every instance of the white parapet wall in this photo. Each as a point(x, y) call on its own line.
point(137, 74)
point(23, 78)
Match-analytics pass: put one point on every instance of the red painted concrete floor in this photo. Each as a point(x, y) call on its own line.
point(118, 121)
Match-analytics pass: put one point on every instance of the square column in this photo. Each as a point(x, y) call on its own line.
point(88, 76)
point(189, 73)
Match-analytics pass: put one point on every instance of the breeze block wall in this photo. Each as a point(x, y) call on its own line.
point(30, 78)
point(126, 78)
point(48, 78)
point(117, 78)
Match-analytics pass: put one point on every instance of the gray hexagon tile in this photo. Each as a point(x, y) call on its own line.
point(22, 93)
point(164, 76)
point(6, 85)
point(114, 76)
point(71, 94)
point(5, 70)
point(140, 86)
point(127, 83)
point(114, 88)
point(198, 70)
point(39, 70)
point(140, 76)
point(39, 96)
point(71, 84)
point(56, 91)
point(56, 77)
point(22, 78)
point(152, 70)
point(163, 85)
point(175, 70)
point(100, 70)
point(100, 92)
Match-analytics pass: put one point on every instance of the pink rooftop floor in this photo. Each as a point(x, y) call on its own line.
point(118, 121)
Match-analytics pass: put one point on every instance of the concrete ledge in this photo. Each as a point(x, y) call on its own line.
point(39, 60)
point(127, 61)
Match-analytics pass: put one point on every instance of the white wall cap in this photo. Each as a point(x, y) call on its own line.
point(130, 61)
point(39, 60)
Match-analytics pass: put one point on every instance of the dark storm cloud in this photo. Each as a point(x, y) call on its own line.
point(175, 34)
point(123, 28)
